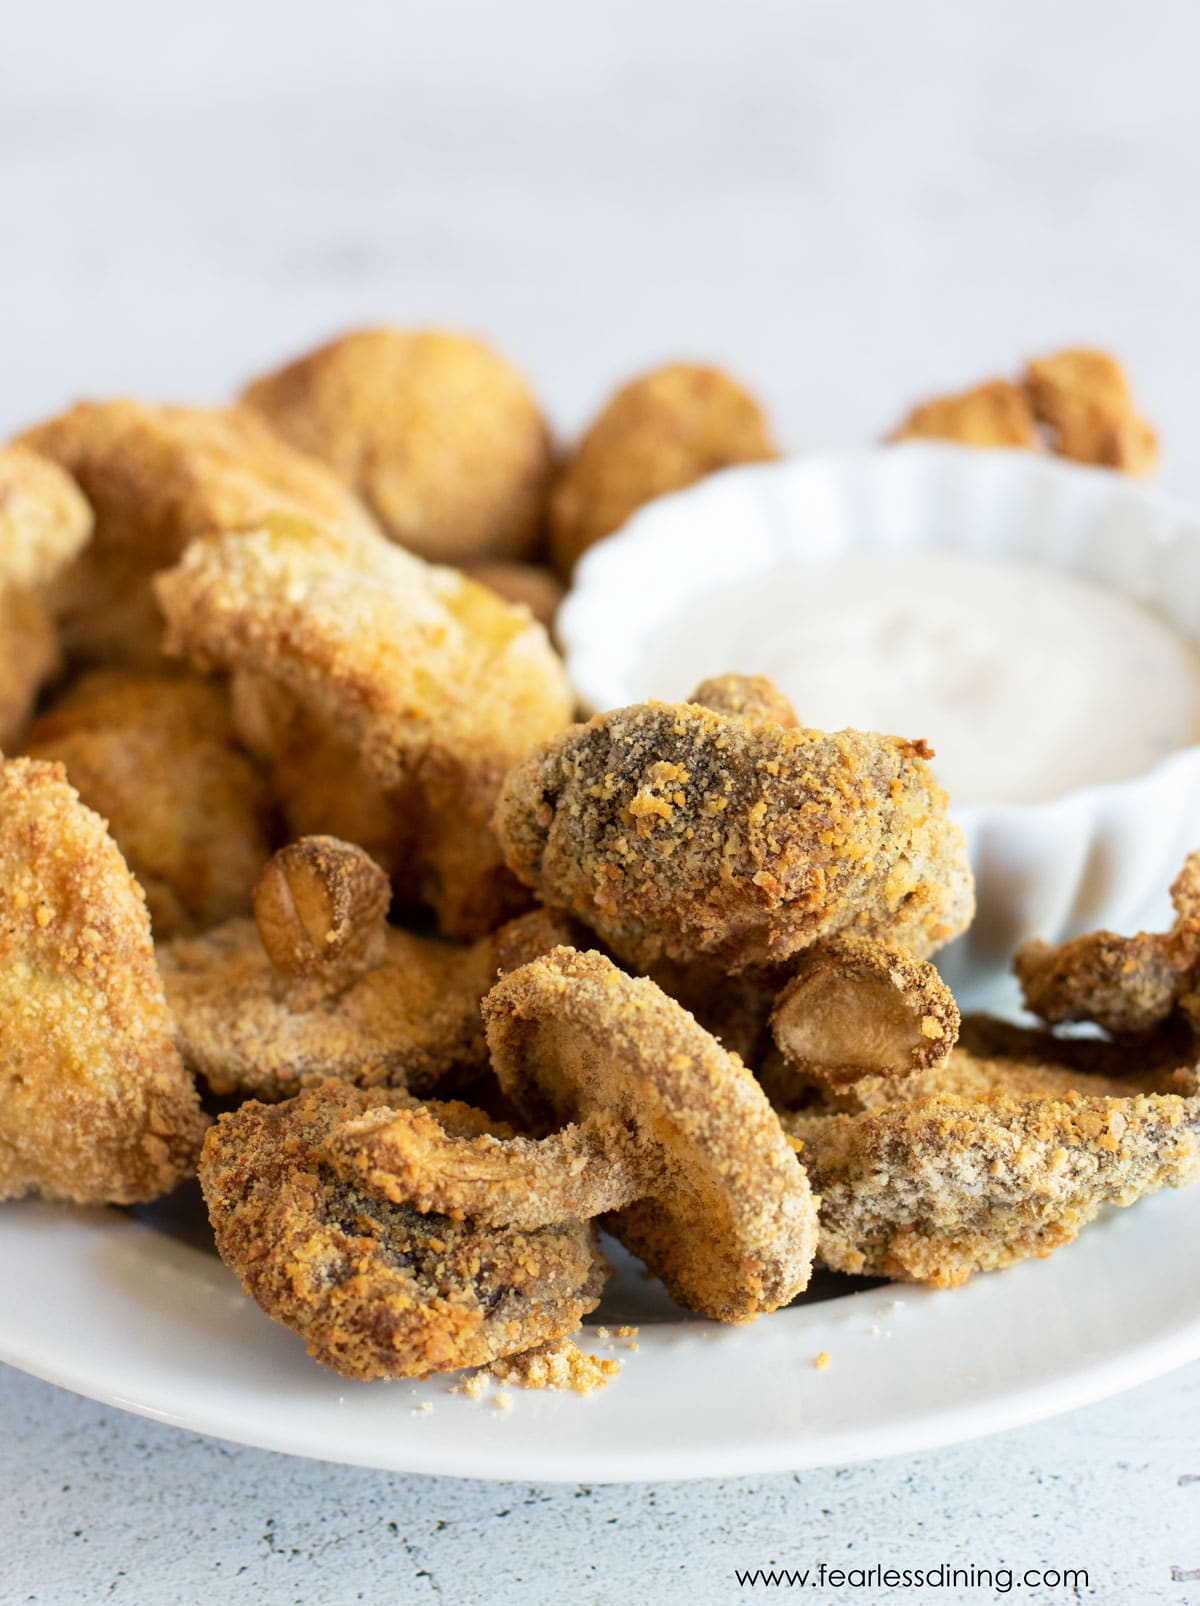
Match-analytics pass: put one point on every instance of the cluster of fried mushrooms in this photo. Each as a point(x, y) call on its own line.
point(298, 825)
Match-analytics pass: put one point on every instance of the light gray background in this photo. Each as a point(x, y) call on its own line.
point(850, 202)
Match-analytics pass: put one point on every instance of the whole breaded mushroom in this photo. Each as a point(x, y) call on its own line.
point(157, 477)
point(660, 433)
point(440, 436)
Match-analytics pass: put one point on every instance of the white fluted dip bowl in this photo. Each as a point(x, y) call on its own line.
point(1103, 855)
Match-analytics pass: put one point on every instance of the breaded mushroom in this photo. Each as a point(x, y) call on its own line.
point(439, 435)
point(436, 684)
point(377, 1289)
point(318, 986)
point(680, 833)
point(935, 1191)
point(993, 414)
point(157, 477)
point(1124, 984)
point(95, 1105)
point(659, 433)
point(155, 755)
point(1083, 398)
point(673, 1133)
point(44, 524)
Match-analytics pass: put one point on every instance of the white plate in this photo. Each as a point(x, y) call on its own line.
point(139, 1313)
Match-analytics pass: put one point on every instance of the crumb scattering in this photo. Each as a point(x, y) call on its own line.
point(822, 1360)
point(560, 1365)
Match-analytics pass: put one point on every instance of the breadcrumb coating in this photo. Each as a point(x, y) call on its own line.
point(993, 414)
point(1083, 398)
point(1127, 985)
point(659, 433)
point(378, 1289)
point(44, 523)
point(155, 755)
point(439, 435)
point(727, 1220)
point(680, 833)
point(438, 684)
point(936, 1191)
point(45, 520)
point(95, 1106)
point(156, 478)
point(247, 1028)
point(318, 778)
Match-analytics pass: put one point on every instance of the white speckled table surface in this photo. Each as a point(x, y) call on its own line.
point(849, 204)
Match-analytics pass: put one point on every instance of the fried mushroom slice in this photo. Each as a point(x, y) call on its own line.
point(1123, 984)
point(659, 433)
point(95, 1106)
point(993, 414)
point(440, 436)
point(377, 1289)
point(937, 1191)
point(155, 755)
point(44, 523)
point(411, 1022)
point(725, 1221)
point(856, 1008)
point(438, 684)
point(156, 478)
point(676, 832)
point(1083, 398)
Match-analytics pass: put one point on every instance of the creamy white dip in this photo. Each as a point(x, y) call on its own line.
point(1027, 682)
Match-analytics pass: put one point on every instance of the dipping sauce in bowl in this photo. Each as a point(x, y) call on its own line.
point(1028, 681)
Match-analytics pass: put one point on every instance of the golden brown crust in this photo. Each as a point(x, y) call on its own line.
point(936, 1191)
point(729, 1227)
point(996, 413)
point(318, 776)
point(321, 906)
point(377, 1289)
point(156, 478)
point(440, 436)
point(44, 523)
point(1083, 398)
point(95, 1106)
point(412, 1022)
point(1124, 984)
point(679, 833)
point(437, 684)
point(974, 1078)
point(856, 1008)
point(659, 433)
point(45, 520)
point(154, 754)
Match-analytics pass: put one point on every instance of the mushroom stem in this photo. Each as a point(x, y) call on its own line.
point(855, 1008)
point(753, 698)
point(408, 1157)
point(321, 906)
